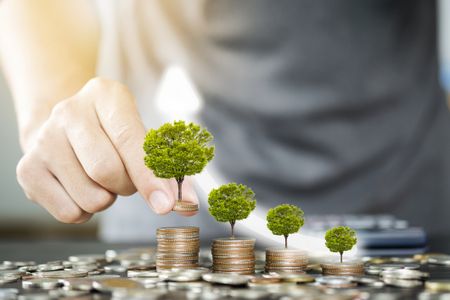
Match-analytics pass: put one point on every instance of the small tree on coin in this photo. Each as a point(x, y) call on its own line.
point(285, 219)
point(178, 150)
point(231, 202)
point(340, 239)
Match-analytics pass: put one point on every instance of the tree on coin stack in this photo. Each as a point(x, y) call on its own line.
point(285, 219)
point(176, 150)
point(340, 239)
point(230, 203)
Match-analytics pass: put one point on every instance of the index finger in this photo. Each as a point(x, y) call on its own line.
point(117, 112)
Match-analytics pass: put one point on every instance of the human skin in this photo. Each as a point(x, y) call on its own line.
point(81, 136)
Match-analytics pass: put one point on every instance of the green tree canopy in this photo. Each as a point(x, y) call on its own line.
point(285, 219)
point(340, 239)
point(231, 202)
point(177, 149)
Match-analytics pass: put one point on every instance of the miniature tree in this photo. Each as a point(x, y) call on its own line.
point(178, 150)
point(340, 239)
point(285, 219)
point(231, 202)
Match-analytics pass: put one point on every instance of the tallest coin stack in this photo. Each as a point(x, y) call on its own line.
point(178, 247)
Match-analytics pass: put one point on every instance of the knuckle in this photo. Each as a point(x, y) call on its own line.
point(70, 216)
point(63, 108)
point(122, 136)
point(101, 172)
point(101, 201)
point(103, 84)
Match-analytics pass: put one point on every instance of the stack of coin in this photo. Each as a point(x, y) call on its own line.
point(184, 206)
point(343, 269)
point(232, 255)
point(178, 247)
point(286, 260)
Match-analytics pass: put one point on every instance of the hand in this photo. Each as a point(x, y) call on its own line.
point(88, 151)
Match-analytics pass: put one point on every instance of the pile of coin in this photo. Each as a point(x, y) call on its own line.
point(286, 260)
point(343, 269)
point(184, 206)
point(232, 255)
point(178, 247)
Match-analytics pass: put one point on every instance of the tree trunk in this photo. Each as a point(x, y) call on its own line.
point(341, 256)
point(232, 228)
point(180, 188)
point(285, 240)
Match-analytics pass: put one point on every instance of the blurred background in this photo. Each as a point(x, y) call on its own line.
point(20, 218)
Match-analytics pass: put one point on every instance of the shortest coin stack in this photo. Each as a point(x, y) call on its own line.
point(178, 247)
point(286, 260)
point(231, 255)
point(343, 269)
point(184, 206)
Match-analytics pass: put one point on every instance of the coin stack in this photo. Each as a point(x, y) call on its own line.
point(232, 255)
point(286, 260)
point(350, 268)
point(178, 247)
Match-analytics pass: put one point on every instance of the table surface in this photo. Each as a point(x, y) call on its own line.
point(43, 251)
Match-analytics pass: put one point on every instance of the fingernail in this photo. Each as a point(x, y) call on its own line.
point(159, 202)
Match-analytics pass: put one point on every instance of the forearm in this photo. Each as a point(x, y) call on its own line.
point(48, 50)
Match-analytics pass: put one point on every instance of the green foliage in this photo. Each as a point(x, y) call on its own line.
point(340, 239)
point(231, 202)
point(285, 219)
point(177, 150)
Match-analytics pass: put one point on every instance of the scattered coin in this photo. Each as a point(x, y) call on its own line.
point(336, 282)
point(111, 284)
point(404, 274)
point(402, 283)
point(440, 286)
point(41, 283)
point(228, 279)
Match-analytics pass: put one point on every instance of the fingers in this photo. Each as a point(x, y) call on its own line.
point(41, 187)
point(85, 192)
point(188, 192)
point(118, 116)
point(95, 152)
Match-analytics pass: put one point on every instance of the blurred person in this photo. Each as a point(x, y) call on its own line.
point(334, 106)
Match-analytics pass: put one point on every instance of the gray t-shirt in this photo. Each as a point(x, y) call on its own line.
point(332, 105)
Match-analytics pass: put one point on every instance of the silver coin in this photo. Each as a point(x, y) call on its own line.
point(226, 278)
point(443, 260)
point(4, 279)
point(334, 280)
point(41, 283)
point(150, 282)
point(367, 281)
point(115, 269)
point(403, 283)
point(404, 274)
point(142, 274)
point(181, 276)
point(63, 274)
point(49, 267)
point(91, 258)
